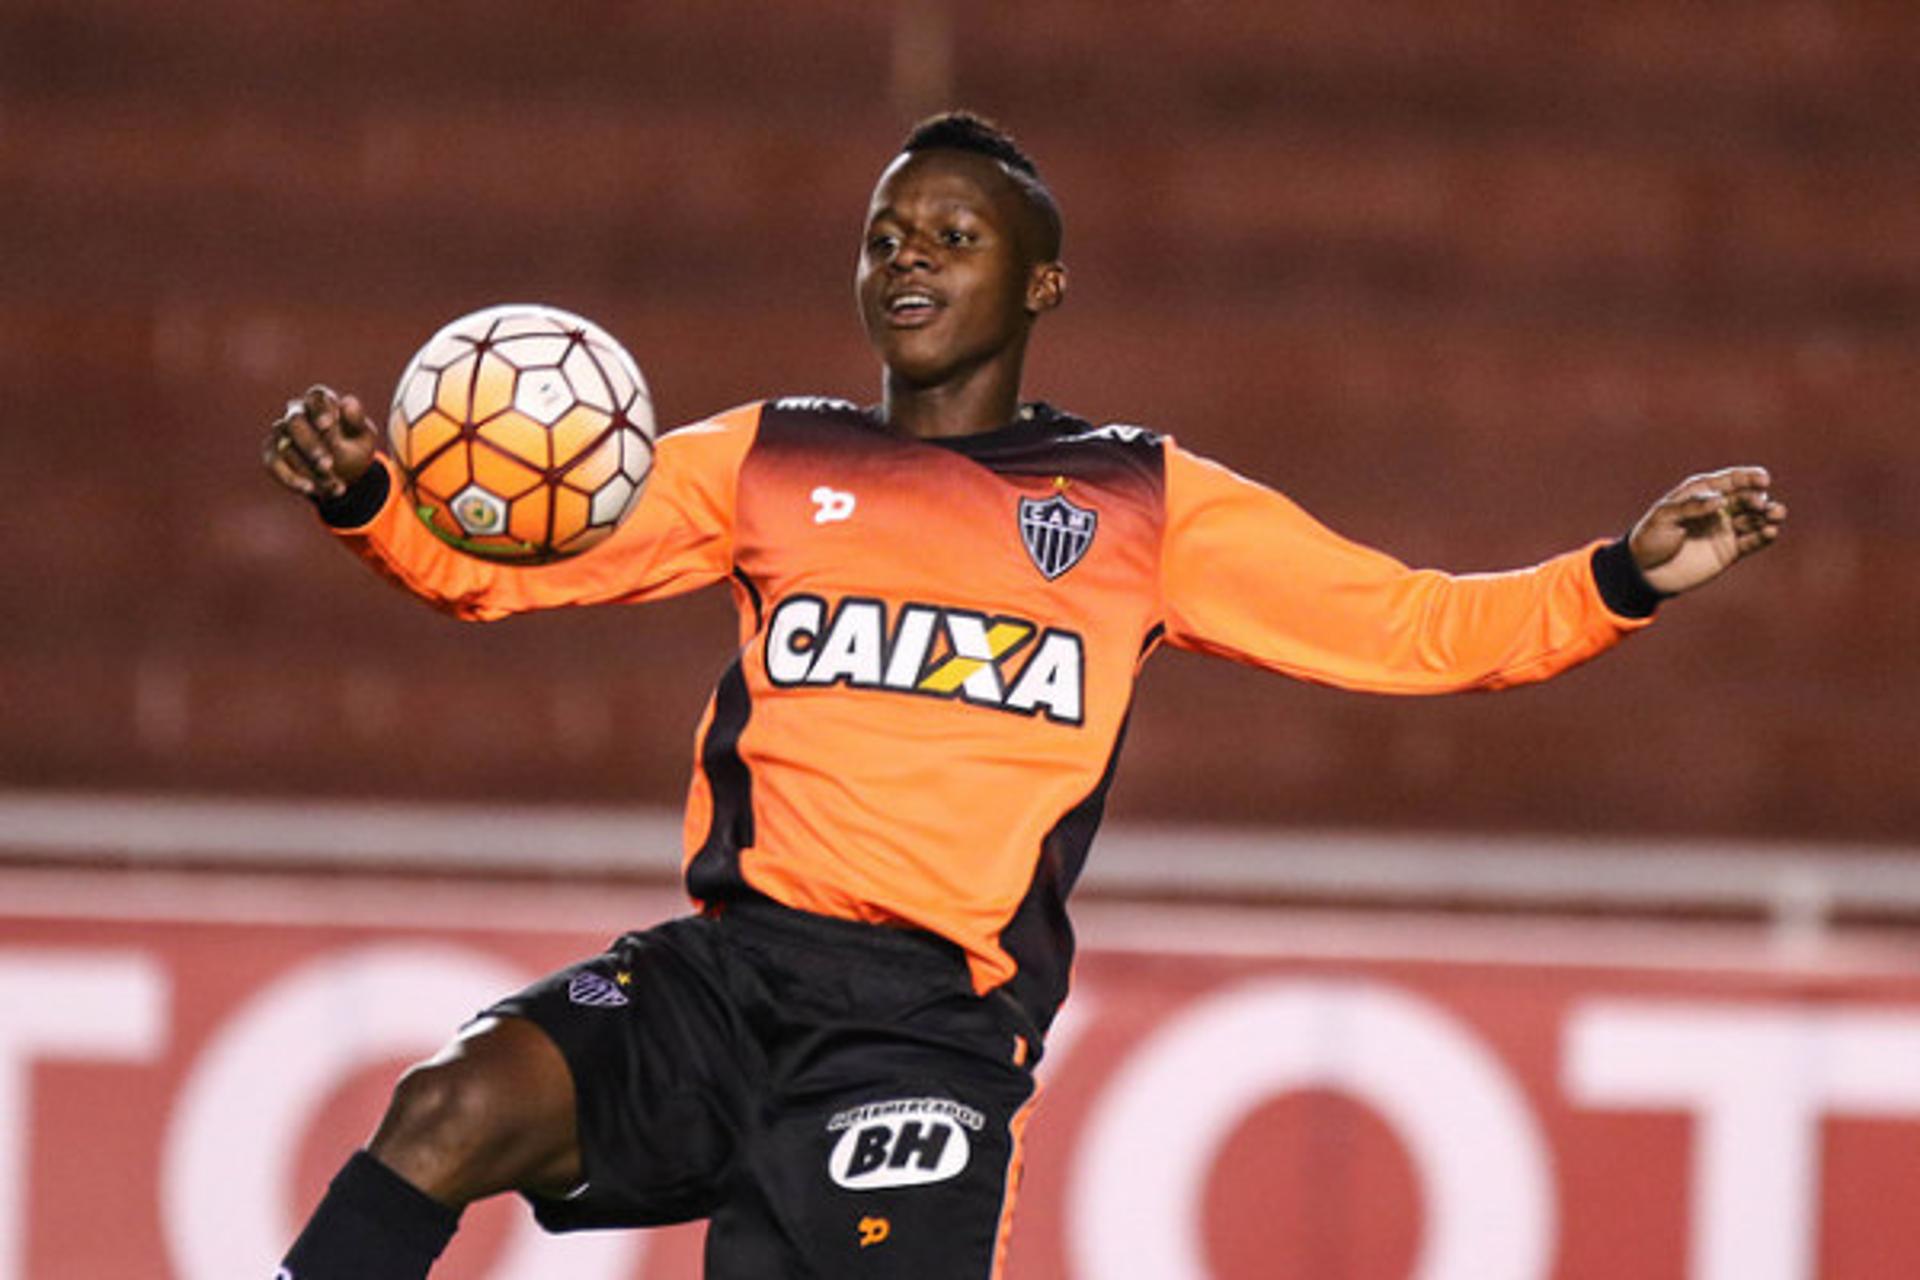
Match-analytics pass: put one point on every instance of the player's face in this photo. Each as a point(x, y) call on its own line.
point(947, 279)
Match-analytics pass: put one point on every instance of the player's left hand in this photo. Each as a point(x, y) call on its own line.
point(320, 445)
point(1703, 526)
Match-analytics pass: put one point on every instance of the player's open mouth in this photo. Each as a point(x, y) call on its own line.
point(911, 309)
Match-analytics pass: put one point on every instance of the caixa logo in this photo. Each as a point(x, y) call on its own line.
point(903, 1143)
point(1007, 663)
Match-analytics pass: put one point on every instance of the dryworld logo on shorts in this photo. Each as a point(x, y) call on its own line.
point(902, 1143)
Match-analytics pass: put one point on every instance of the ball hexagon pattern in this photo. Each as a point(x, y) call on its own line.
point(525, 433)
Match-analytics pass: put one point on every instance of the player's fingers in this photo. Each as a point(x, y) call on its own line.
point(1741, 478)
point(326, 434)
point(305, 438)
point(1753, 540)
point(1750, 492)
point(353, 417)
point(1728, 479)
point(279, 443)
point(323, 411)
point(319, 398)
point(311, 449)
point(1696, 503)
point(284, 463)
point(1757, 528)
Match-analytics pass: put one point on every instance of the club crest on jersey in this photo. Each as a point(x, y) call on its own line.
point(1056, 533)
point(595, 990)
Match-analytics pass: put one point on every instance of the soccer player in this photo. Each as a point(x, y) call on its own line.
point(944, 602)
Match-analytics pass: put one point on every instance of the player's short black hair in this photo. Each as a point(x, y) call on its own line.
point(965, 131)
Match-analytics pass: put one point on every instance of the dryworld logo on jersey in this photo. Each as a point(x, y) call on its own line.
point(1009, 664)
point(906, 1142)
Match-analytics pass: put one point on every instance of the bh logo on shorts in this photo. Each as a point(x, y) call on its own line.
point(902, 1143)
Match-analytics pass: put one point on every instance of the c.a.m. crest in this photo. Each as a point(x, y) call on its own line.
point(1056, 533)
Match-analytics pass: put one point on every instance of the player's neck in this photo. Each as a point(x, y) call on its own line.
point(985, 399)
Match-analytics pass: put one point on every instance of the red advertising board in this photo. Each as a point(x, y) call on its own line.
point(185, 1059)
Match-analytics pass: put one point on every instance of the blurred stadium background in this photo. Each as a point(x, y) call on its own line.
point(1472, 281)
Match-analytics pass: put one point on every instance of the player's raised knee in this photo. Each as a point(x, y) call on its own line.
point(491, 1112)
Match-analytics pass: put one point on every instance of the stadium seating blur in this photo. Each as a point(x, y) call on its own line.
point(1473, 282)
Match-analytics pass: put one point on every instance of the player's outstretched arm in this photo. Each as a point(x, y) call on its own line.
point(678, 537)
point(320, 445)
point(1703, 526)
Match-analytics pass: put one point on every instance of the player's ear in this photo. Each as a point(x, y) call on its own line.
point(1046, 286)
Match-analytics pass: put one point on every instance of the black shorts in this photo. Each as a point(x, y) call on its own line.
point(832, 1095)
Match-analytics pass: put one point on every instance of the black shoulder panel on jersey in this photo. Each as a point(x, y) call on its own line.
point(816, 422)
point(799, 408)
point(1118, 433)
point(1043, 441)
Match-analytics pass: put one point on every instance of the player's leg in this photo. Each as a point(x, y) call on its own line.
point(493, 1111)
point(663, 1072)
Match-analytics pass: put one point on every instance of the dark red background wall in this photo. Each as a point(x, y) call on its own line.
point(1472, 281)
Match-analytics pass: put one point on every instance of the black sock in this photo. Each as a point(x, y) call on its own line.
point(372, 1225)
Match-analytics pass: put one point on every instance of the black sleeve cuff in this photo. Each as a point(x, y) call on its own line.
point(1622, 586)
point(360, 503)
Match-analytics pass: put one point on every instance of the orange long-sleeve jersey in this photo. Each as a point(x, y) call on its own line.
point(939, 641)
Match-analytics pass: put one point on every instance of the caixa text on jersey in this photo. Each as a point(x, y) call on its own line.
point(1009, 664)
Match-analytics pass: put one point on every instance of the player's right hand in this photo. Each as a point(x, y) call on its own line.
point(320, 445)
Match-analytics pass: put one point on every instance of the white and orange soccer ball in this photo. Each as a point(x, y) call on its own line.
point(525, 433)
